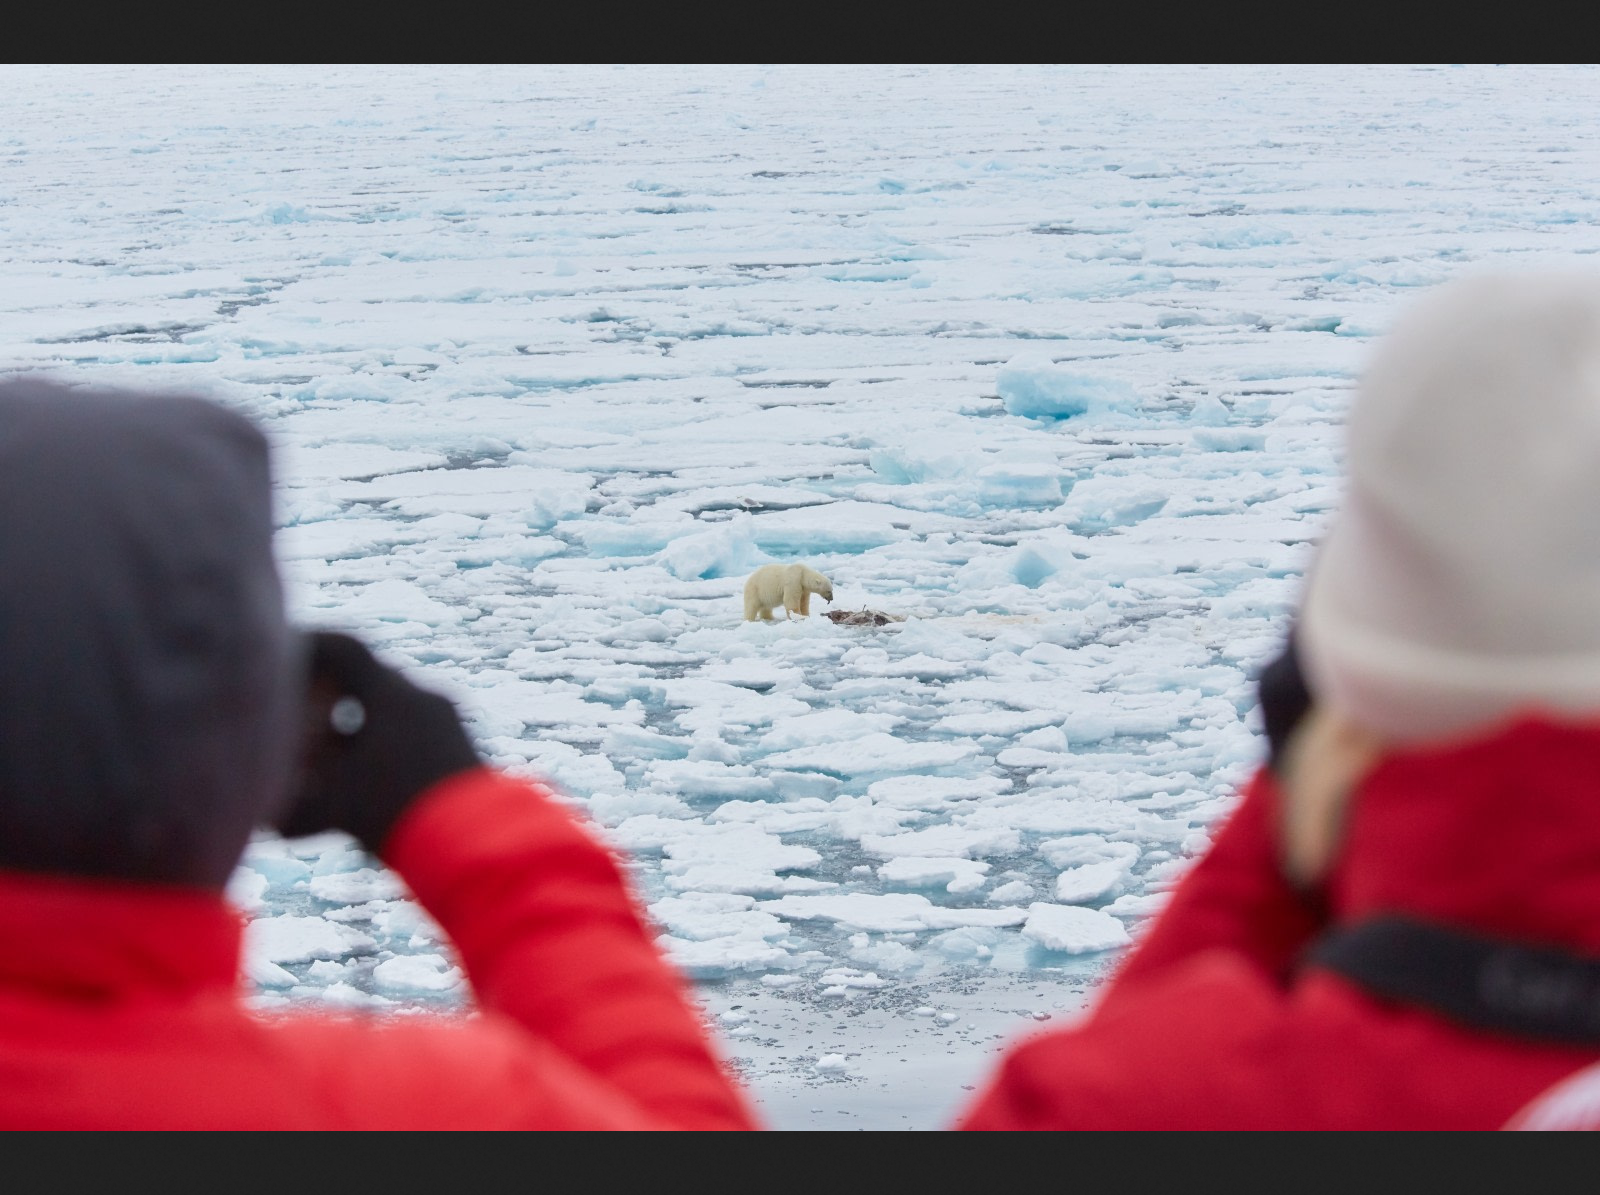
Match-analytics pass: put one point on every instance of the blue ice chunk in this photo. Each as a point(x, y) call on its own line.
point(1031, 569)
point(1033, 385)
point(968, 944)
point(285, 213)
point(339, 858)
point(1012, 485)
point(282, 871)
point(1100, 503)
point(912, 464)
point(1210, 411)
point(725, 551)
point(1321, 323)
point(619, 538)
point(639, 742)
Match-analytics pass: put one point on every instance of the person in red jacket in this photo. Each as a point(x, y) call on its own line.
point(1399, 926)
point(153, 710)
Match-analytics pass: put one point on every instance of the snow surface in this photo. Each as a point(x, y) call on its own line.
point(1049, 361)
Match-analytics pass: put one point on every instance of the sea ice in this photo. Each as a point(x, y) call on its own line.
point(1088, 882)
point(1073, 930)
point(952, 841)
point(1050, 363)
point(290, 939)
point(887, 912)
point(1031, 384)
point(416, 973)
point(957, 876)
point(354, 887)
point(247, 890)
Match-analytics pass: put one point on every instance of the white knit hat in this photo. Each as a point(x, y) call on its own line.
point(1460, 582)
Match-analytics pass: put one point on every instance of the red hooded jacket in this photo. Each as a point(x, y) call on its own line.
point(120, 1003)
point(1211, 1024)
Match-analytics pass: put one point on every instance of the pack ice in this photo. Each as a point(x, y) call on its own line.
point(1049, 362)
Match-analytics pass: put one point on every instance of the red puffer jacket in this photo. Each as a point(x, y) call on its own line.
point(1210, 1024)
point(119, 1004)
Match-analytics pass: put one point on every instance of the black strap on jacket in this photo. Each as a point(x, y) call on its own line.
point(1540, 992)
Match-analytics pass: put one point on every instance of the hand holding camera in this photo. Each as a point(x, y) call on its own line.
point(374, 743)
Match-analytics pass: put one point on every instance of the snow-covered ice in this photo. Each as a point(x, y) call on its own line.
point(1072, 929)
point(1049, 362)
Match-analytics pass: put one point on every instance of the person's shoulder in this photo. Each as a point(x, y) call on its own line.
point(1216, 1043)
point(437, 1071)
point(1211, 1044)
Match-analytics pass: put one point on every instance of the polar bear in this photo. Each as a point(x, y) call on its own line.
point(788, 585)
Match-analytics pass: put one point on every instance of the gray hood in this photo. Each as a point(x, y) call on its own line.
point(148, 682)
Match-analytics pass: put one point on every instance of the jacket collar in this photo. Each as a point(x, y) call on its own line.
point(1501, 834)
point(97, 940)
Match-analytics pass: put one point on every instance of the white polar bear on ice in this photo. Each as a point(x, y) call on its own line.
point(788, 585)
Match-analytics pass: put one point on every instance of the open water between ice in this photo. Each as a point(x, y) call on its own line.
point(1051, 362)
